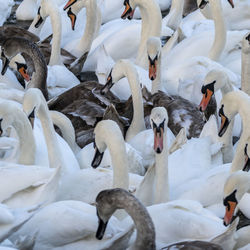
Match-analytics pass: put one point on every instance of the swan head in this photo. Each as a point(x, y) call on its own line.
point(153, 50)
point(159, 121)
point(74, 7)
point(246, 44)
point(235, 187)
point(40, 17)
point(117, 72)
point(214, 80)
point(105, 207)
point(129, 10)
point(31, 103)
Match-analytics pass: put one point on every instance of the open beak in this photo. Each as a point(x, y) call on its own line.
point(5, 63)
point(231, 3)
point(97, 158)
point(152, 70)
point(128, 12)
point(68, 4)
point(101, 229)
point(109, 84)
point(205, 100)
point(229, 212)
point(203, 4)
point(224, 125)
point(24, 73)
point(39, 21)
point(72, 18)
point(158, 140)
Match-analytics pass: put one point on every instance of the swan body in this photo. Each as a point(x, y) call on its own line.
point(27, 10)
point(68, 225)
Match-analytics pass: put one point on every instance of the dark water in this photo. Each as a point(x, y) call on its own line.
point(12, 17)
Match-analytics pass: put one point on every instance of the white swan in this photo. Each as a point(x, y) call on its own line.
point(60, 155)
point(81, 46)
point(11, 116)
point(236, 198)
point(71, 225)
point(124, 68)
point(245, 64)
point(59, 77)
point(219, 80)
point(74, 186)
point(232, 103)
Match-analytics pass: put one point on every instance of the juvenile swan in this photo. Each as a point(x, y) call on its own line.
point(111, 199)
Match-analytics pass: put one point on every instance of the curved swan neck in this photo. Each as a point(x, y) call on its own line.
point(92, 27)
point(245, 66)
point(175, 14)
point(110, 134)
point(50, 135)
point(151, 26)
point(137, 125)
point(161, 173)
point(220, 34)
point(120, 199)
point(66, 128)
point(21, 124)
point(53, 12)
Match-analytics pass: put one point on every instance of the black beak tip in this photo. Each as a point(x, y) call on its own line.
point(99, 236)
point(158, 150)
point(224, 223)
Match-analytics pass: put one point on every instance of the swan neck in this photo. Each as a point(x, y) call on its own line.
point(151, 26)
point(91, 28)
point(137, 124)
point(175, 14)
point(26, 140)
point(117, 149)
point(55, 58)
point(245, 72)
point(50, 136)
point(145, 238)
point(220, 34)
point(161, 173)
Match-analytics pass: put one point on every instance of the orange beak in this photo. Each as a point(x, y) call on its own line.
point(68, 4)
point(231, 3)
point(229, 212)
point(73, 20)
point(128, 12)
point(152, 71)
point(24, 74)
point(158, 140)
point(205, 100)
point(223, 121)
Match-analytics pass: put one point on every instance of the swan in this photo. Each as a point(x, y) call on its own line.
point(13, 46)
point(236, 199)
point(158, 192)
point(108, 201)
point(70, 225)
point(200, 60)
point(59, 77)
point(124, 68)
point(154, 231)
point(27, 10)
point(11, 116)
point(81, 46)
point(232, 103)
point(218, 80)
point(245, 63)
point(5, 10)
point(182, 113)
point(60, 155)
point(233, 21)
point(74, 185)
